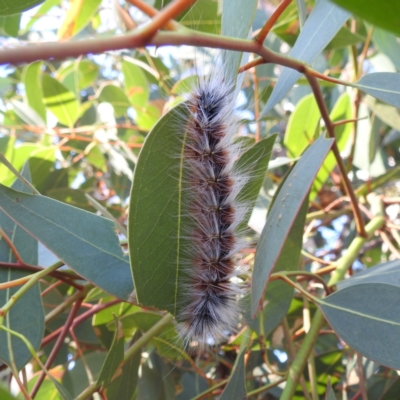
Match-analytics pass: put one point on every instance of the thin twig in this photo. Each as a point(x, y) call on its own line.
point(12, 246)
point(57, 345)
point(152, 12)
point(345, 179)
point(271, 21)
point(167, 14)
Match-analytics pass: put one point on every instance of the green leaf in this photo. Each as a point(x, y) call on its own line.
point(79, 74)
point(167, 342)
point(27, 114)
point(136, 85)
point(5, 394)
point(254, 162)
point(116, 97)
point(16, 156)
point(155, 217)
point(387, 43)
point(96, 253)
point(282, 216)
point(237, 18)
point(373, 11)
point(47, 389)
point(77, 18)
point(26, 245)
point(147, 117)
point(10, 25)
point(388, 114)
point(76, 380)
point(156, 380)
point(236, 387)
point(60, 101)
point(366, 317)
point(343, 39)
point(384, 86)
point(279, 295)
point(33, 87)
point(321, 26)
point(9, 7)
point(388, 272)
point(330, 394)
point(302, 126)
point(114, 357)
point(125, 385)
point(27, 315)
point(203, 16)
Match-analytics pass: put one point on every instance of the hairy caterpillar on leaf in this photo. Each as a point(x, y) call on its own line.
point(193, 188)
point(211, 288)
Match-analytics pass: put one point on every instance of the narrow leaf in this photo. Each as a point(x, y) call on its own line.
point(33, 88)
point(236, 387)
point(321, 26)
point(388, 272)
point(9, 7)
point(155, 223)
point(384, 86)
point(237, 18)
point(114, 356)
point(96, 254)
point(367, 318)
point(302, 125)
point(60, 101)
point(372, 10)
point(283, 215)
point(27, 315)
point(136, 85)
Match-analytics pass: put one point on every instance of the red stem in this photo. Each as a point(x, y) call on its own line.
point(57, 345)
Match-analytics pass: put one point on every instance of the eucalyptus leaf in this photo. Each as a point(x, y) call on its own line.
point(282, 216)
point(10, 7)
point(321, 26)
point(236, 387)
point(384, 86)
point(96, 253)
point(27, 315)
point(372, 11)
point(366, 317)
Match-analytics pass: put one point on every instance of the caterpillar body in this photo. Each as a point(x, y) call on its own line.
point(212, 288)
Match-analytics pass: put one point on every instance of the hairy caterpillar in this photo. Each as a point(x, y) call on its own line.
point(211, 311)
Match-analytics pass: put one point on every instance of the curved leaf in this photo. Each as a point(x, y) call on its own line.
point(60, 101)
point(155, 222)
point(85, 242)
point(282, 216)
point(384, 86)
point(33, 88)
point(367, 318)
point(386, 16)
point(27, 315)
point(9, 7)
point(321, 26)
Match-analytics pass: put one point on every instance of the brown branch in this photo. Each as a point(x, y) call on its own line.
point(80, 319)
point(251, 64)
point(167, 14)
point(57, 345)
point(271, 21)
point(331, 132)
point(347, 121)
point(12, 246)
point(152, 12)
